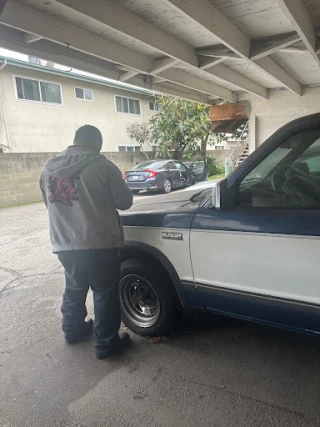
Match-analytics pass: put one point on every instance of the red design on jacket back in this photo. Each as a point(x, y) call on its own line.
point(63, 190)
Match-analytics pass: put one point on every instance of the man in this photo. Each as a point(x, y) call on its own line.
point(82, 191)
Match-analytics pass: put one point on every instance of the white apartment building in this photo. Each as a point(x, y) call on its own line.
point(42, 106)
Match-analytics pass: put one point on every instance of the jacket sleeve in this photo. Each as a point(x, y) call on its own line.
point(121, 194)
point(44, 196)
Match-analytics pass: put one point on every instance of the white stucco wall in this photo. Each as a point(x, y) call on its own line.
point(39, 127)
point(283, 106)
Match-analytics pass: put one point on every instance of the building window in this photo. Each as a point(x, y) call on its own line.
point(50, 92)
point(85, 94)
point(129, 148)
point(154, 106)
point(127, 105)
point(35, 90)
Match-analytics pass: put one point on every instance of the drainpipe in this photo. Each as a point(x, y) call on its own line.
point(2, 66)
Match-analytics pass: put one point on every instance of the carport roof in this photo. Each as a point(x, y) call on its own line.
point(73, 74)
point(202, 50)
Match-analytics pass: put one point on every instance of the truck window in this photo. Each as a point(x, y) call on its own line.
point(287, 177)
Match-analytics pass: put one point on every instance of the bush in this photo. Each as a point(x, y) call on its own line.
point(213, 167)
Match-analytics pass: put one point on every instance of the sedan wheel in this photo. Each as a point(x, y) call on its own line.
point(166, 186)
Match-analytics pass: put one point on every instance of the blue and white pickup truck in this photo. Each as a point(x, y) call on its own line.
point(247, 246)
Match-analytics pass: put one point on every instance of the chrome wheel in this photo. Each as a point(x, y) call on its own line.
point(167, 186)
point(139, 301)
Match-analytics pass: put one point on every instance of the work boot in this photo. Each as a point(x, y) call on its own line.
point(82, 334)
point(117, 347)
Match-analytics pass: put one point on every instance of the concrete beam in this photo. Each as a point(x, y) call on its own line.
point(126, 22)
point(297, 48)
point(11, 39)
point(28, 19)
point(2, 5)
point(31, 38)
point(273, 69)
point(162, 65)
point(217, 51)
point(266, 48)
point(188, 80)
point(209, 17)
point(122, 68)
point(128, 75)
point(301, 21)
point(259, 47)
point(222, 72)
point(207, 62)
point(184, 93)
point(156, 80)
point(203, 12)
point(20, 16)
point(227, 74)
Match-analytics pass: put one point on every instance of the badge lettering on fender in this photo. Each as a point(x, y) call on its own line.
point(172, 235)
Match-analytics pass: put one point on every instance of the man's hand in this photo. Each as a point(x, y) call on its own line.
point(121, 194)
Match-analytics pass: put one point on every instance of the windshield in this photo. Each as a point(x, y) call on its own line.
point(151, 164)
point(283, 157)
point(267, 165)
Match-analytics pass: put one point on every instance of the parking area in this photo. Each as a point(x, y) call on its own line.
point(212, 372)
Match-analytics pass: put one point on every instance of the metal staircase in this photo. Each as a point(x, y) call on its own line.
point(243, 153)
point(240, 151)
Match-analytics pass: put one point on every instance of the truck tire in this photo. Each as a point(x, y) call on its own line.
point(148, 300)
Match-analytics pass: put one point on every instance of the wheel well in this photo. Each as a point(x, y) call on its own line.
point(163, 264)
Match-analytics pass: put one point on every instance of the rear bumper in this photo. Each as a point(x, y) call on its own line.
point(146, 185)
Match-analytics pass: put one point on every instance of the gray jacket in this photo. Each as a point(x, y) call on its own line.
point(82, 191)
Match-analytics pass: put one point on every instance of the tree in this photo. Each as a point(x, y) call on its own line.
point(180, 126)
point(140, 132)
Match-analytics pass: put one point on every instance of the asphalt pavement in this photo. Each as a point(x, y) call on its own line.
point(212, 372)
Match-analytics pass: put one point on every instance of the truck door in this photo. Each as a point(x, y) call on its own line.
point(259, 258)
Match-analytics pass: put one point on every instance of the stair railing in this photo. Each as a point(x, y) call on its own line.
point(231, 161)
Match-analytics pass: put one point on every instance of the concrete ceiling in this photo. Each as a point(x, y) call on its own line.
point(198, 49)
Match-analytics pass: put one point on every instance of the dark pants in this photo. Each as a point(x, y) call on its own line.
point(99, 270)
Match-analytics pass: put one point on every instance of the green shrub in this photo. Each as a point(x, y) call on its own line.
point(213, 167)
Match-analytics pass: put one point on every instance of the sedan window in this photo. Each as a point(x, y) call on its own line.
point(148, 165)
point(180, 166)
point(169, 166)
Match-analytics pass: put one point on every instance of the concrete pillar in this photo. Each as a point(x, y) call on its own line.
point(283, 106)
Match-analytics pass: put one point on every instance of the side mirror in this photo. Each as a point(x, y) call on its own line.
point(216, 197)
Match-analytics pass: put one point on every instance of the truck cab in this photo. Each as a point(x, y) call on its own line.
point(246, 246)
